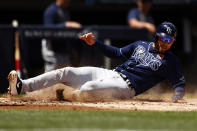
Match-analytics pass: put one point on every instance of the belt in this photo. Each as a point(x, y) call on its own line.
point(125, 78)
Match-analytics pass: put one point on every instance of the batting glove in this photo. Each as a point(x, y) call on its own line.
point(179, 92)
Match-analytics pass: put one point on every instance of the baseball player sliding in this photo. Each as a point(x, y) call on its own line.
point(146, 64)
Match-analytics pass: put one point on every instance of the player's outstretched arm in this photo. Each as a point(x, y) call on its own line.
point(107, 50)
point(89, 38)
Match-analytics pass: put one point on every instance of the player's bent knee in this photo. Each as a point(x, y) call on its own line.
point(87, 86)
point(69, 71)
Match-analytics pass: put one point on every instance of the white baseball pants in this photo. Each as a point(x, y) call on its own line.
point(82, 79)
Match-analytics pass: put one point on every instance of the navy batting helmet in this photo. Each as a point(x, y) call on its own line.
point(167, 30)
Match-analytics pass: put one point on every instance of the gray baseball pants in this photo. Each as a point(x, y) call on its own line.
point(82, 79)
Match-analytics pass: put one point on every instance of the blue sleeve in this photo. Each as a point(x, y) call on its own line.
point(111, 51)
point(50, 17)
point(132, 15)
point(128, 50)
point(175, 75)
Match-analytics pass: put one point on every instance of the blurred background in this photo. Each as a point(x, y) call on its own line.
point(107, 18)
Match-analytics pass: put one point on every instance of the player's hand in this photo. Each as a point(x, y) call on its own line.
point(178, 95)
point(89, 38)
point(176, 99)
point(73, 24)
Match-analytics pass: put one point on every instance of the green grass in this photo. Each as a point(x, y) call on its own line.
point(96, 120)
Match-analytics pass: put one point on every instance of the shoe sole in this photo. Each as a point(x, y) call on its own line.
point(12, 77)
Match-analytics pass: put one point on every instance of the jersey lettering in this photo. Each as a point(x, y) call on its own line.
point(144, 58)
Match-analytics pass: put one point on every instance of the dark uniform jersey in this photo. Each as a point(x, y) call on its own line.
point(137, 14)
point(56, 16)
point(144, 66)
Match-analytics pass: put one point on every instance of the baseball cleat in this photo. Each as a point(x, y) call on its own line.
point(15, 83)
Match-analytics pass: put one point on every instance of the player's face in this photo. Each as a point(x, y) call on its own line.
point(164, 44)
point(64, 3)
point(147, 6)
point(144, 6)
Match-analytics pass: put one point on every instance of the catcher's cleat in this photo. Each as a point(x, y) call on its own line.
point(15, 83)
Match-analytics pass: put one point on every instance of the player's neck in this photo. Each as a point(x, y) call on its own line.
point(60, 4)
point(155, 46)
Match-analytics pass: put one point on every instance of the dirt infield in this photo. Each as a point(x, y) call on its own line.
point(150, 101)
point(135, 104)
